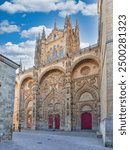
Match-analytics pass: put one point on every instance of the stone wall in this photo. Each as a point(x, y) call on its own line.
point(7, 83)
point(106, 90)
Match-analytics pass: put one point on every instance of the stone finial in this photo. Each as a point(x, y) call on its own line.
point(76, 25)
point(67, 22)
point(43, 34)
point(20, 68)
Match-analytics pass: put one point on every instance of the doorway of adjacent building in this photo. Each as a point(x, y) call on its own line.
point(86, 120)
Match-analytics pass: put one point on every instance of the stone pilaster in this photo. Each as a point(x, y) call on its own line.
point(68, 103)
point(35, 96)
point(21, 108)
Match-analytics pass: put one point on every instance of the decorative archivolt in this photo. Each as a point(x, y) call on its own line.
point(85, 59)
point(25, 79)
point(49, 70)
point(88, 89)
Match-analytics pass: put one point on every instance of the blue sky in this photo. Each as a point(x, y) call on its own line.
point(22, 20)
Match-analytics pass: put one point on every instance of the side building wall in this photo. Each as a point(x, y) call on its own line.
point(106, 89)
point(7, 83)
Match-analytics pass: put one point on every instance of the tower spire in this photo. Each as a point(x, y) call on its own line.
point(67, 22)
point(76, 24)
point(43, 34)
point(55, 23)
point(76, 28)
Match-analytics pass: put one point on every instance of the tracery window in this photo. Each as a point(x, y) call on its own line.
point(54, 56)
point(48, 58)
point(61, 53)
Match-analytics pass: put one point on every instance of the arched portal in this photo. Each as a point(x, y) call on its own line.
point(85, 82)
point(51, 89)
point(25, 105)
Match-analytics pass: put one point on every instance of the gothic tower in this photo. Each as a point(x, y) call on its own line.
point(60, 43)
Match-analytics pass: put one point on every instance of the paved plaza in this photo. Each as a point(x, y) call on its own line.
point(53, 140)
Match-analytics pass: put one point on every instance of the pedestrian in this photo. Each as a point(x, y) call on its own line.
point(13, 127)
point(19, 127)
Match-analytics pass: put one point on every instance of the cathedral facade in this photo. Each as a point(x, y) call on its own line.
point(63, 89)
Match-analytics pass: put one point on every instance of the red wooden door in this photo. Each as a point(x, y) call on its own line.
point(57, 121)
point(50, 122)
point(86, 120)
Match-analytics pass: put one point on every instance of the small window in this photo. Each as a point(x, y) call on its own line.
point(61, 53)
point(54, 56)
point(54, 36)
point(49, 58)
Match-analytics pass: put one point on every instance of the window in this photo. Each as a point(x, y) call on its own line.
point(54, 56)
point(49, 58)
point(61, 53)
point(54, 36)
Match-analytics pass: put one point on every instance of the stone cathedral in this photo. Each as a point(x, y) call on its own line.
point(68, 88)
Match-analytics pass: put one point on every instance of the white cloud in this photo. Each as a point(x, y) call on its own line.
point(64, 7)
point(83, 45)
point(33, 32)
point(23, 50)
point(71, 7)
point(6, 27)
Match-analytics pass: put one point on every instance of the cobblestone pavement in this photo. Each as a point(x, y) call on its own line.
point(53, 140)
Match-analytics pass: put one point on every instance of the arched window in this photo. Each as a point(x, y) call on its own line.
point(54, 56)
point(61, 53)
point(48, 58)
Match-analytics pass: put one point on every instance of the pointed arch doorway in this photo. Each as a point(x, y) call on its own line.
point(86, 120)
point(54, 121)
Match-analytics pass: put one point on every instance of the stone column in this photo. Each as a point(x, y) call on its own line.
point(35, 96)
point(68, 102)
point(21, 108)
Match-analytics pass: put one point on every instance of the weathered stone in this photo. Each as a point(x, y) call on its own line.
point(7, 82)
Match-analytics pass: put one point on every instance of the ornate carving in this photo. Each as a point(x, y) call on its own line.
point(54, 80)
point(85, 70)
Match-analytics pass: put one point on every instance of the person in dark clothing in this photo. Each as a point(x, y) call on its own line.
point(19, 127)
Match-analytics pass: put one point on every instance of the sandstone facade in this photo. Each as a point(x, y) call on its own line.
point(7, 84)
